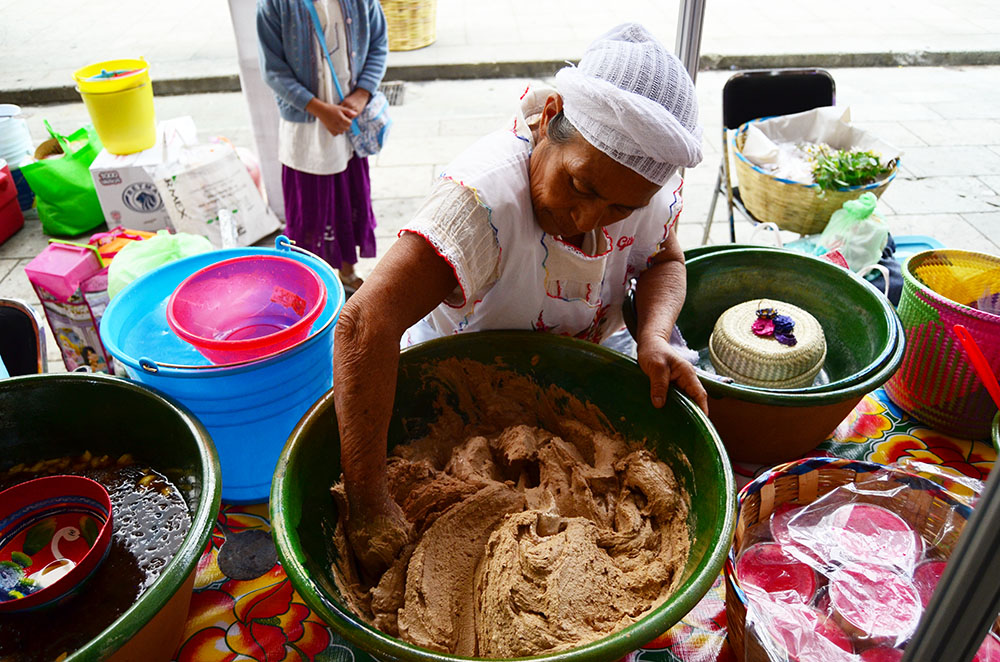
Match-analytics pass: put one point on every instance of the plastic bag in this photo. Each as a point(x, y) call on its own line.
point(196, 181)
point(851, 571)
point(64, 189)
point(857, 233)
point(140, 257)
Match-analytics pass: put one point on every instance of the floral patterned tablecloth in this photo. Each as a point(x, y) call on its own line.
point(265, 620)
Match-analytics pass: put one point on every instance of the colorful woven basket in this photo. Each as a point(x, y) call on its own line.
point(793, 206)
point(924, 505)
point(412, 23)
point(936, 382)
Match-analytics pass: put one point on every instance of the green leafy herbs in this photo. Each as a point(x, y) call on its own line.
point(835, 169)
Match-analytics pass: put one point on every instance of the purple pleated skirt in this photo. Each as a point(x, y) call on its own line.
point(331, 215)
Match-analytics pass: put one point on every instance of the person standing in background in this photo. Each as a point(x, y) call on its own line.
point(327, 190)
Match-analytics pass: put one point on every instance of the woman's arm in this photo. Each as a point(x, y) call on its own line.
point(373, 69)
point(408, 283)
point(659, 297)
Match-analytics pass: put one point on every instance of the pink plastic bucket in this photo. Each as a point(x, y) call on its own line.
point(246, 307)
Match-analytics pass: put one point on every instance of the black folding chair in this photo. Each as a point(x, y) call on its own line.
point(760, 93)
point(22, 343)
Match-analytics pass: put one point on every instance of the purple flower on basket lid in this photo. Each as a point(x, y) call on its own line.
point(767, 313)
point(783, 330)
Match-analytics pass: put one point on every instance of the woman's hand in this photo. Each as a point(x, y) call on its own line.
point(336, 118)
point(665, 366)
point(357, 100)
point(377, 531)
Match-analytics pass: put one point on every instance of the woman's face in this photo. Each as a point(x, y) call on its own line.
point(576, 188)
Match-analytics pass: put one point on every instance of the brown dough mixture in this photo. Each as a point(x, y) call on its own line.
point(532, 537)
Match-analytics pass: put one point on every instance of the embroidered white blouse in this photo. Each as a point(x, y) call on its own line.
point(513, 275)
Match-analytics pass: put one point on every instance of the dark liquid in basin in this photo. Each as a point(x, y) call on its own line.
point(151, 519)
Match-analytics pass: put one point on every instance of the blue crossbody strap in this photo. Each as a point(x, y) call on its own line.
point(318, 29)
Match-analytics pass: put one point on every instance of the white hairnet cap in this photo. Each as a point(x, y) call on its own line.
point(632, 99)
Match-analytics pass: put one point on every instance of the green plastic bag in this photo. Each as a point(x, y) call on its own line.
point(139, 257)
point(64, 189)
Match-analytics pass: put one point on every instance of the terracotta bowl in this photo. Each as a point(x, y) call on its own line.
point(51, 416)
point(303, 512)
point(54, 533)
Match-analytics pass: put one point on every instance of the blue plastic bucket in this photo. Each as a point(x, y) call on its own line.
point(249, 408)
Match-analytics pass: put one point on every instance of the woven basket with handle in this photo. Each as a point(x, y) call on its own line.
point(412, 23)
point(936, 382)
point(793, 206)
point(925, 506)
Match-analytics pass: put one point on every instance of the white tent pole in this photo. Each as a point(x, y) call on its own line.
point(689, 24)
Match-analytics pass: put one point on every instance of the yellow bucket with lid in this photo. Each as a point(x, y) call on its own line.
point(118, 95)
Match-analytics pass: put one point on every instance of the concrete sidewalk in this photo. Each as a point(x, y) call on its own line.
point(191, 48)
point(946, 120)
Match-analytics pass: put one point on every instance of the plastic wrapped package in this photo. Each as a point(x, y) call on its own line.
point(835, 560)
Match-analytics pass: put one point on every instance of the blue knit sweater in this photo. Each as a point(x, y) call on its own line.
point(287, 51)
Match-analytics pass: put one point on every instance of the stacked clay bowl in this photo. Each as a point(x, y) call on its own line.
point(303, 512)
point(864, 340)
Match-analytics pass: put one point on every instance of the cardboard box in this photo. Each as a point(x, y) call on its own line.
point(124, 182)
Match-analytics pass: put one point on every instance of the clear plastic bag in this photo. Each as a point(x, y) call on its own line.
point(847, 577)
point(857, 233)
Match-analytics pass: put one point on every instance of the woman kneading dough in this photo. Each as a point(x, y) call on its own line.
point(538, 226)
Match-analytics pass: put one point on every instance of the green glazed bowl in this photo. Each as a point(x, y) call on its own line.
point(698, 251)
point(48, 416)
point(860, 325)
point(303, 513)
point(886, 324)
point(864, 337)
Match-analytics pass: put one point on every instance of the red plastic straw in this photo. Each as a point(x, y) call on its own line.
point(979, 362)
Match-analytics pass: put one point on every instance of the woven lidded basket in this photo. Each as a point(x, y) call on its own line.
point(411, 23)
point(737, 352)
point(936, 382)
point(923, 504)
point(793, 206)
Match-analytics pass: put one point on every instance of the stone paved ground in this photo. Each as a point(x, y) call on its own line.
point(44, 42)
point(947, 121)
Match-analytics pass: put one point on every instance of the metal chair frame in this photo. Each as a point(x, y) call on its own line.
point(749, 95)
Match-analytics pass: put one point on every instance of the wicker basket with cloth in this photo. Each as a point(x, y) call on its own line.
point(798, 206)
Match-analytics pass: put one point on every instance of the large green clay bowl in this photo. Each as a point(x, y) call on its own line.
point(864, 340)
point(698, 251)
point(303, 513)
point(845, 369)
point(49, 416)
